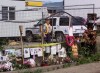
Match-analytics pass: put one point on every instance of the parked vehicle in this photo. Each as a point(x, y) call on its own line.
point(60, 27)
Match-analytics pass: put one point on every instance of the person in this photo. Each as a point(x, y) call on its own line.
point(47, 31)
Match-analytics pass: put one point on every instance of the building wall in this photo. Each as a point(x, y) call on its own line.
point(11, 29)
point(82, 2)
point(82, 12)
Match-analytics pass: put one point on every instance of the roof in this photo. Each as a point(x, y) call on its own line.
point(54, 5)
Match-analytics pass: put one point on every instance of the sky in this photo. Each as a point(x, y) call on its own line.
point(52, 0)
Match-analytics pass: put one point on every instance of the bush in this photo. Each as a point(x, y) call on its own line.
point(2, 42)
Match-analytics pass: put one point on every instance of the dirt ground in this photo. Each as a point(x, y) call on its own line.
point(86, 68)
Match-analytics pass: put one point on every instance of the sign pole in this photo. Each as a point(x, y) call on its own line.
point(21, 39)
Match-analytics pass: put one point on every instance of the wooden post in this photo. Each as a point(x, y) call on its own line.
point(21, 39)
point(42, 39)
point(42, 36)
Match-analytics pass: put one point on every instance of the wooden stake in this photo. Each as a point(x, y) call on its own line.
point(42, 39)
point(21, 39)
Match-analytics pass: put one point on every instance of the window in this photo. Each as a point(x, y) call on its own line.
point(64, 21)
point(53, 22)
point(7, 14)
point(11, 14)
point(78, 21)
point(4, 13)
point(51, 11)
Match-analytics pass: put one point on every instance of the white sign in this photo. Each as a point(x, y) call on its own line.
point(34, 51)
point(40, 53)
point(10, 51)
point(58, 47)
point(53, 50)
point(26, 53)
point(62, 52)
point(47, 49)
point(3, 58)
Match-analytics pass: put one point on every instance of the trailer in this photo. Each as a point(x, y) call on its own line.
point(82, 8)
point(14, 13)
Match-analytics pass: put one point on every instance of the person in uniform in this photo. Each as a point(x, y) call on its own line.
point(47, 31)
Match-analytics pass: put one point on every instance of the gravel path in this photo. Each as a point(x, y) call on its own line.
point(87, 68)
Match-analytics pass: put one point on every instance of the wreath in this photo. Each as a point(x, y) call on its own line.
point(70, 40)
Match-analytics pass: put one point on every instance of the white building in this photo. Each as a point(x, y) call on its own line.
point(11, 10)
point(82, 7)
